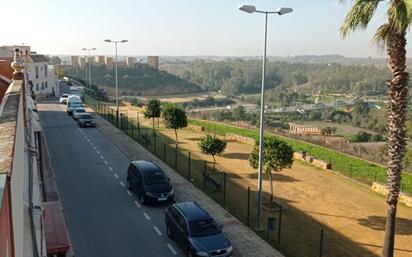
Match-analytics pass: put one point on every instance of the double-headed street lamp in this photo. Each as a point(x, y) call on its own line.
point(279, 11)
point(117, 97)
point(90, 65)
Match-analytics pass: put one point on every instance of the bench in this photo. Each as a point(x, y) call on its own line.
point(207, 178)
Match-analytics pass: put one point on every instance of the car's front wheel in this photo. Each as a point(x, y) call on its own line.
point(169, 231)
point(142, 199)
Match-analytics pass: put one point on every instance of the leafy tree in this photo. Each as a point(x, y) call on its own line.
point(392, 36)
point(277, 155)
point(152, 111)
point(239, 113)
point(211, 145)
point(174, 117)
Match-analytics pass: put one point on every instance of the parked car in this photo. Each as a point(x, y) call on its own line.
point(86, 120)
point(63, 98)
point(77, 111)
point(72, 105)
point(195, 231)
point(149, 182)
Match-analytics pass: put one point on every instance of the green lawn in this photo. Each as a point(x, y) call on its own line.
point(356, 168)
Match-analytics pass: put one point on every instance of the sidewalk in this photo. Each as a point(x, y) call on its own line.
point(245, 241)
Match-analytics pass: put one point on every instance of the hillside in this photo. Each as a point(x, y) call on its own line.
point(239, 76)
point(140, 81)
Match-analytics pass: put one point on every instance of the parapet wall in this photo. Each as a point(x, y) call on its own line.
point(381, 189)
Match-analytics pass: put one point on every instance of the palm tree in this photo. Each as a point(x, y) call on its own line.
point(392, 36)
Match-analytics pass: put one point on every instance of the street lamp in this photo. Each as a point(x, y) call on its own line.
point(279, 11)
point(88, 61)
point(117, 97)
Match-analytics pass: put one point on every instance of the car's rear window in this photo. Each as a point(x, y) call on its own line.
point(206, 227)
point(154, 177)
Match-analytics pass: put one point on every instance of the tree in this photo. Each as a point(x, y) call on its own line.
point(239, 113)
point(392, 36)
point(211, 145)
point(174, 117)
point(152, 111)
point(277, 155)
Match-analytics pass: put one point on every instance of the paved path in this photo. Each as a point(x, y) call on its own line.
point(245, 241)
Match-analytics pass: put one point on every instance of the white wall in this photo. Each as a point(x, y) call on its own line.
point(43, 84)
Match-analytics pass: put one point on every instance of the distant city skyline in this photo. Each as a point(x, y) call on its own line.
point(185, 28)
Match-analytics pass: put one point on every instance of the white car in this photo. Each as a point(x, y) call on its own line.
point(77, 112)
point(63, 99)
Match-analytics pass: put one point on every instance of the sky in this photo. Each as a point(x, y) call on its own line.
point(183, 27)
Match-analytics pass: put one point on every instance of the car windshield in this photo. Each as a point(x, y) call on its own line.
point(75, 104)
point(65, 96)
point(154, 177)
point(86, 116)
point(203, 228)
point(80, 110)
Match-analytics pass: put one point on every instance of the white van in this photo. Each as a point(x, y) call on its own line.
point(72, 102)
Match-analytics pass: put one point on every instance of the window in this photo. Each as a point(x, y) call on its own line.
point(37, 87)
point(45, 70)
point(45, 84)
point(42, 85)
point(37, 72)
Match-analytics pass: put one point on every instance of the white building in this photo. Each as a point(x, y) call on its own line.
point(42, 75)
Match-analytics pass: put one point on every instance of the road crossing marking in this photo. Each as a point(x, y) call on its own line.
point(146, 215)
point(172, 249)
point(157, 230)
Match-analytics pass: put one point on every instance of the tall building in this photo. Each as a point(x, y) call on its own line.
point(99, 60)
point(8, 51)
point(42, 75)
point(109, 62)
point(75, 61)
point(130, 61)
point(82, 62)
point(153, 62)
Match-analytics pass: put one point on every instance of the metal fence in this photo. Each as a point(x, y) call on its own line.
point(308, 237)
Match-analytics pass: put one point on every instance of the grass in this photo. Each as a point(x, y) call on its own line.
point(353, 167)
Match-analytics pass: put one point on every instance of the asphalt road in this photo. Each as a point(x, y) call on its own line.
point(102, 217)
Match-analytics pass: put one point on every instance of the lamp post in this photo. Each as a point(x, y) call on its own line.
point(279, 11)
point(90, 66)
point(115, 42)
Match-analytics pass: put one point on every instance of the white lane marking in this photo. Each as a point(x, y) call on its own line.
point(157, 230)
point(116, 176)
point(94, 148)
point(137, 204)
point(171, 249)
point(128, 192)
point(121, 183)
point(88, 140)
point(110, 168)
point(97, 152)
point(91, 144)
point(105, 162)
point(146, 215)
point(101, 157)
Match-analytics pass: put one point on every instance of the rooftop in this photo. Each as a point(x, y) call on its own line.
point(192, 211)
point(39, 58)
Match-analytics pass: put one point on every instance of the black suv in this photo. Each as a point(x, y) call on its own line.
point(149, 182)
point(86, 120)
point(195, 231)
